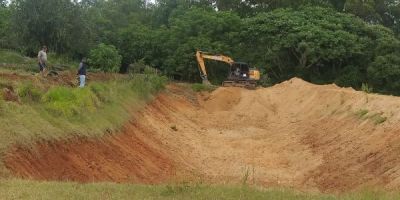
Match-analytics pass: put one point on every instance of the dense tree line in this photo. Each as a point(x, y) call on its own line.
point(349, 42)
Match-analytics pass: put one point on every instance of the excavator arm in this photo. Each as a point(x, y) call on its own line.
point(200, 59)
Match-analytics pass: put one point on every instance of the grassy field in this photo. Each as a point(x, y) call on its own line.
point(19, 189)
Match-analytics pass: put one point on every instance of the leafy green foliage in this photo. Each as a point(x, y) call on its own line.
point(317, 40)
point(5, 17)
point(321, 45)
point(57, 24)
point(105, 57)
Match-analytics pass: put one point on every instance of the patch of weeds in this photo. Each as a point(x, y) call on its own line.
point(362, 113)
point(245, 177)
point(1, 103)
point(101, 91)
point(69, 102)
point(366, 88)
point(198, 87)
point(28, 92)
point(377, 118)
point(173, 190)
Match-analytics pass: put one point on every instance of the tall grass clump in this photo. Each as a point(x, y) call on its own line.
point(146, 84)
point(28, 92)
point(69, 102)
point(102, 91)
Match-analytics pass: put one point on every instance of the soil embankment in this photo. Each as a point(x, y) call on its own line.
point(294, 134)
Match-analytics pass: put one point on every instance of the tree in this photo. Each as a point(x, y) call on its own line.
point(57, 24)
point(196, 29)
point(317, 44)
point(105, 58)
point(4, 25)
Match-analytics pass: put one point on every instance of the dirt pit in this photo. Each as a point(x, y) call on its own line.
point(295, 134)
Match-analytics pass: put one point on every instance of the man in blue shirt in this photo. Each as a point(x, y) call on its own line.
point(82, 72)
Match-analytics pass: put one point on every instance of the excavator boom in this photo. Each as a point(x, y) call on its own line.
point(202, 66)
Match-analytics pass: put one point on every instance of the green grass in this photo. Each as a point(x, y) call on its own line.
point(198, 87)
point(376, 118)
point(7, 56)
point(63, 112)
point(20, 189)
point(362, 113)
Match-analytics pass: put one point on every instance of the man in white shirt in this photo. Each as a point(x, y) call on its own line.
point(42, 58)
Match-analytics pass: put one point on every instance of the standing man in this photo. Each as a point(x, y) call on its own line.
point(82, 72)
point(42, 59)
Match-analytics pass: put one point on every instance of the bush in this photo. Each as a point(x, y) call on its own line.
point(137, 67)
point(105, 57)
point(28, 92)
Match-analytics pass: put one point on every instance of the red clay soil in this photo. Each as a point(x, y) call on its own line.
point(123, 157)
point(295, 134)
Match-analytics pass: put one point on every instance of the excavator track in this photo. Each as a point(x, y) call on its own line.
point(243, 84)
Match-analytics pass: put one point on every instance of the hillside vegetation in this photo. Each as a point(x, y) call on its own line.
point(35, 111)
point(348, 42)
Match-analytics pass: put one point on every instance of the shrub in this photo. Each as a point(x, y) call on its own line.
point(366, 88)
point(105, 57)
point(137, 67)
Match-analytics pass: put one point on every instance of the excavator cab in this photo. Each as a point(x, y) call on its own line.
point(239, 71)
point(241, 74)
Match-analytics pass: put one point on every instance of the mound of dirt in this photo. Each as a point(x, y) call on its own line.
point(222, 99)
point(294, 134)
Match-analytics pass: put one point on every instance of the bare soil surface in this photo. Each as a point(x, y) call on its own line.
point(295, 134)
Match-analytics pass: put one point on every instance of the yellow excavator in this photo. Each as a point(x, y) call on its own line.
point(240, 73)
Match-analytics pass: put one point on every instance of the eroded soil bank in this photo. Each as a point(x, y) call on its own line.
point(295, 134)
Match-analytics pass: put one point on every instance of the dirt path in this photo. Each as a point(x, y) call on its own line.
point(294, 134)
